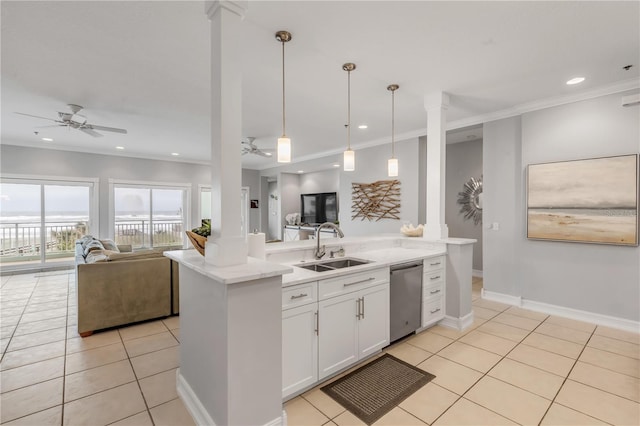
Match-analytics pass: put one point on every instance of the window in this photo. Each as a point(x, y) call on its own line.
point(149, 215)
point(41, 218)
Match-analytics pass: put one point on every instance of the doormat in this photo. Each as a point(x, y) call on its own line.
point(374, 389)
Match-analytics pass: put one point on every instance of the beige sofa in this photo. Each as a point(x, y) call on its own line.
point(116, 286)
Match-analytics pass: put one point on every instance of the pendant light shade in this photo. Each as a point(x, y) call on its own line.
point(392, 164)
point(349, 155)
point(284, 143)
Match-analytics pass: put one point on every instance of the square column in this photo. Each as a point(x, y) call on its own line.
point(436, 105)
point(226, 246)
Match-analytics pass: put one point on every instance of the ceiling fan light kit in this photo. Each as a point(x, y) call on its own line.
point(349, 157)
point(392, 164)
point(284, 143)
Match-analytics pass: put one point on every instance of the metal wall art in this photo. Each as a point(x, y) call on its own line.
point(377, 200)
point(470, 201)
point(587, 201)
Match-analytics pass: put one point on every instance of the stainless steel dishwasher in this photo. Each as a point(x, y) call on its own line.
point(406, 299)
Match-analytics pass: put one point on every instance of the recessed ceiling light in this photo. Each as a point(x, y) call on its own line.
point(47, 139)
point(175, 154)
point(300, 171)
point(362, 126)
point(336, 165)
point(268, 154)
point(576, 80)
point(119, 147)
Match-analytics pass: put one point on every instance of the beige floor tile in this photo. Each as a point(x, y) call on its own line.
point(36, 326)
point(11, 312)
point(176, 333)
point(526, 313)
point(607, 380)
point(451, 333)
point(561, 415)
point(156, 362)
point(39, 338)
point(9, 304)
point(30, 399)
point(6, 332)
point(490, 304)
point(517, 321)
point(408, 353)
point(33, 354)
point(87, 382)
point(553, 363)
point(488, 342)
point(346, 419)
point(159, 388)
point(599, 404)
point(39, 307)
point(3, 344)
point(560, 332)
point(10, 320)
point(31, 374)
point(92, 358)
point(450, 375)
point(72, 331)
point(152, 343)
point(470, 356)
point(429, 402)
point(467, 413)
point(509, 401)
point(302, 412)
point(142, 330)
point(39, 316)
point(48, 417)
point(611, 361)
point(430, 342)
point(327, 405)
point(505, 331)
point(172, 413)
point(140, 419)
point(528, 378)
point(96, 340)
point(100, 408)
point(398, 417)
point(485, 313)
point(616, 346)
point(614, 333)
point(553, 344)
point(172, 322)
point(571, 323)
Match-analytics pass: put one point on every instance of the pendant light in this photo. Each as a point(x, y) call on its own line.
point(284, 143)
point(349, 155)
point(392, 164)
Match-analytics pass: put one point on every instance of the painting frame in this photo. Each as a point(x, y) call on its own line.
point(592, 201)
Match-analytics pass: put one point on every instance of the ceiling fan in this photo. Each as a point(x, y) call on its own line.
point(251, 148)
point(77, 121)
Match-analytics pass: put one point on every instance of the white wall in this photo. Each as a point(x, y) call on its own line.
point(596, 278)
point(464, 161)
point(289, 184)
point(251, 178)
point(324, 181)
point(371, 166)
point(273, 210)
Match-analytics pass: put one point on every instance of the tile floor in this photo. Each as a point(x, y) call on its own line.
point(512, 367)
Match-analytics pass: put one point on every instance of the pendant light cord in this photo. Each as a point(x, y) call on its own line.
point(284, 134)
point(349, 110)
point(393, 115)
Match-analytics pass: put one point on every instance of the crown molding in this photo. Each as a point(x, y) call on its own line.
point(238, 7)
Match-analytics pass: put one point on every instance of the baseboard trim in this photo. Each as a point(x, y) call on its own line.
point(476, 273)
point(459, 324)
point(562, 311)
point(192, 403)
point(279, 421)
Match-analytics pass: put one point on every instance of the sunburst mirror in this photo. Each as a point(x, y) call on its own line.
point(470, 200)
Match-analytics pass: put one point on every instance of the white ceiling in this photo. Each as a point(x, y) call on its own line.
point(144, 66)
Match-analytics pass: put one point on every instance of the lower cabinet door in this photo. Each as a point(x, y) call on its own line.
point(338, 333)
point(373, 327)
point(299, 348)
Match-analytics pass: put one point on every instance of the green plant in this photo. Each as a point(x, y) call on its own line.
point(205, 229)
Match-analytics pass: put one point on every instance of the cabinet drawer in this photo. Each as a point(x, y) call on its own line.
point(352, 282)
point(432, 290)
point(432, 278)
point(299, 295)
point(434, 263)
point(432, 311)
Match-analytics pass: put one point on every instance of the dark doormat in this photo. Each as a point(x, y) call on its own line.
point(374, 389)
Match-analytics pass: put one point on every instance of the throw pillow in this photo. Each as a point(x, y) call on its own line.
point(96, 256)
point(86, 240)
point(93, 245)
point(110, 245)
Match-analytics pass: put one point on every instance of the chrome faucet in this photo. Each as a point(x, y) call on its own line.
point(319, 252)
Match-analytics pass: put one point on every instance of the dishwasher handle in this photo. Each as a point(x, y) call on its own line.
point(405, 266)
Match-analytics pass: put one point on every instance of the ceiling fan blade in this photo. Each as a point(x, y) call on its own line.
point(262, 153)
point(37, 116)
point(50, 125)
point(90, 132)
point(105, 129)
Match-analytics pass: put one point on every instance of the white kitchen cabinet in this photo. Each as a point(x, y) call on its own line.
point(299, 348)
point(373, 326)
point(433, 290)
point(338, 333)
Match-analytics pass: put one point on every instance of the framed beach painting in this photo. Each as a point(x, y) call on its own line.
point(586, 201)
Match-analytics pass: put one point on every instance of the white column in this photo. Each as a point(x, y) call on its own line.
point(436, 105)
point(226, 246)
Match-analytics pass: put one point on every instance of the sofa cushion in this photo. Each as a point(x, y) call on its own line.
point(110, 245)
point(93, 245)
point(95, 256)
point(85, 240)
point(136, 255)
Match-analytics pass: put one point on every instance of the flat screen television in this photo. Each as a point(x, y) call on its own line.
point(319, 208)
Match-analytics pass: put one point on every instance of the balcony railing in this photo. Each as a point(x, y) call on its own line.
point(22, 241)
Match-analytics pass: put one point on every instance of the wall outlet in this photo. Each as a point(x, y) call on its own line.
point(495, 226)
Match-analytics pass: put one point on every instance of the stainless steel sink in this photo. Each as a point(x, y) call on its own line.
point(332, 265)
